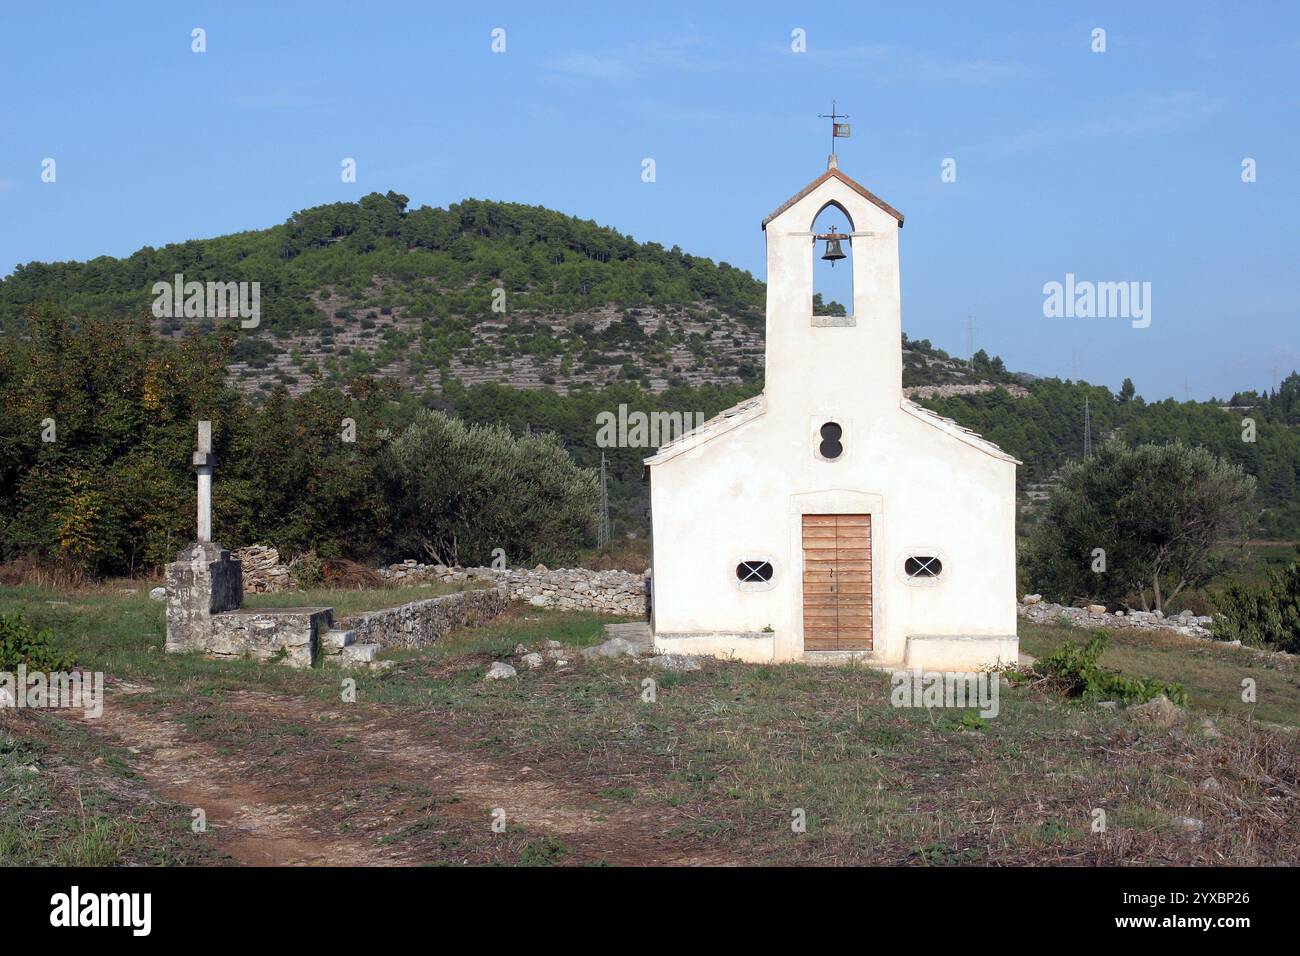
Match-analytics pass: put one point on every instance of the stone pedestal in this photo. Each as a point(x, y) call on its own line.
point(202, 581)
point(287, 635)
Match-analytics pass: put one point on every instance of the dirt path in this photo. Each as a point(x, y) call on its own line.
point(253, 825)
point(308, 812)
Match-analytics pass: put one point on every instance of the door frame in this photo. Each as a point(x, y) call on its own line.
point(833, 502)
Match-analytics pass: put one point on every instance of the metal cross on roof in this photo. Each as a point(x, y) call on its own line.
point(838, 129)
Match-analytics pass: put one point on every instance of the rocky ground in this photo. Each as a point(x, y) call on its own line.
point(693, 345)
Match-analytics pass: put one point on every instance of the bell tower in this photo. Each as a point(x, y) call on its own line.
point(855, 360)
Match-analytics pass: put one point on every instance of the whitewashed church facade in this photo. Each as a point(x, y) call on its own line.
point(830, 516)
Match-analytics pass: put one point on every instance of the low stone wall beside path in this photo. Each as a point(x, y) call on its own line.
point(423, 622)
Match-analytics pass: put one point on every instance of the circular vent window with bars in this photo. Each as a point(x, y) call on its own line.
point(921, 566)
point(831, 447)
point(754, 572)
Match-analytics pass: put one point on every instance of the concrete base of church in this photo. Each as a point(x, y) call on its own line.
point(756, 647)
point(949, 653)
point(926, 652)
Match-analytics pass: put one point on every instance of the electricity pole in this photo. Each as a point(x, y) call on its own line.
point(602, 528)
point(1087, 428)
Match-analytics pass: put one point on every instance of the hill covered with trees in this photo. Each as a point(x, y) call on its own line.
point(480, 292)
point(1045, 429)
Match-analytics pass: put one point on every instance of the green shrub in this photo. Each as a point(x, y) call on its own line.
point(20, 643)
point(1075, 669)
point(1263, 615)
point(461, 491)
point(307, 571)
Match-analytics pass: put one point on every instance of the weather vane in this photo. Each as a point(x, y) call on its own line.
point(838, 130)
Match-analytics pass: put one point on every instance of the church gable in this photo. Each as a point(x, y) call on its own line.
point(719, 424)
point(833, 172)
point(956, 431)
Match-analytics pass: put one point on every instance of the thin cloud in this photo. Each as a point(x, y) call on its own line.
point(711, 119)
point(281, 98)
point(593, 66)
point(891, 64)
point(694, 55)
point(1146, 114)
point(633, 60)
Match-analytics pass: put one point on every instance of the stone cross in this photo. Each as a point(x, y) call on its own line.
point(203, 462)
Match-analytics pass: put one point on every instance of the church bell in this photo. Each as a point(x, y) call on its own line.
point(833, 251)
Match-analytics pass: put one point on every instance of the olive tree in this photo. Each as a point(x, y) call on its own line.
point(1150, 520)
point(458, 492)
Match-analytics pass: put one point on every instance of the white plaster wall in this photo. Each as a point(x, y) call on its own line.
point(741, 495)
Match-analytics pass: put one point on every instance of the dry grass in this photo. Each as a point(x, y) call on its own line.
point(30, 571)
point(340, 573)
point(714, 769)
point(622, 554)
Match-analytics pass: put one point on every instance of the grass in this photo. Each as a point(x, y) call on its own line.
point(66, 800)
point(1267, 555)
point(723, 760)
point(1212, 672)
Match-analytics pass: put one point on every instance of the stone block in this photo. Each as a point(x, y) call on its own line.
point(203, 580)
point(269, 634)
point(360, 653)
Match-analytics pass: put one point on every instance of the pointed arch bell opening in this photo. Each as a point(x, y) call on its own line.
point(832, 277)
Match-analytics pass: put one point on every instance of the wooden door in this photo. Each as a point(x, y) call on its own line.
point(837, 613)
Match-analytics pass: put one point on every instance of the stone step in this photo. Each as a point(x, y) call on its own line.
point(361, 653)
point(830, 658)
point(335, 639)
point(636, 632)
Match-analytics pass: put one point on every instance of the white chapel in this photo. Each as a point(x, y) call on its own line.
point(830, 516)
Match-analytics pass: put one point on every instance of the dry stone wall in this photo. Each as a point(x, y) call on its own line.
point(423, 622)
point(1033, 608)
point(575, 589)
point(572, 589)
point(975, 388)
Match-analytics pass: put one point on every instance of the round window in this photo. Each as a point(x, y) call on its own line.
point(831, 447)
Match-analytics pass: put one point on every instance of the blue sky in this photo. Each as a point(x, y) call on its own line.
point(1114, 166)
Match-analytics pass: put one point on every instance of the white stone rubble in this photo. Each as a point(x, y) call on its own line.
point(1033, 608)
